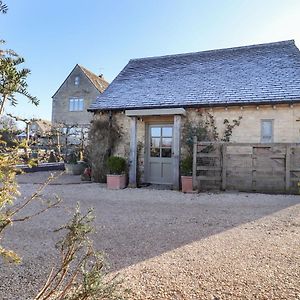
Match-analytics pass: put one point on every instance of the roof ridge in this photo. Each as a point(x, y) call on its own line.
point(286, 42)
point(95, 79)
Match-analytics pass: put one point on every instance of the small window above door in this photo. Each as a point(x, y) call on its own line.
point(267, 131)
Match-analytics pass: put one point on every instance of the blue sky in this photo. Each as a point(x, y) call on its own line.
point(103, 35)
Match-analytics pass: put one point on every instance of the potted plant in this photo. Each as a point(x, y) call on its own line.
point(73, 166)
point(87, 174)
point(116, 179)
point(186, 174)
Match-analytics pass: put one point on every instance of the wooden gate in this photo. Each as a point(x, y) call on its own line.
point(268, 168)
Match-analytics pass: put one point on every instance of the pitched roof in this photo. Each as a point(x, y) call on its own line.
point(98, 81)
point(44, 125)
point(265, 73)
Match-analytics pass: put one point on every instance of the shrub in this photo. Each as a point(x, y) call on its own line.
point(106, 134)
point(116, 165)
point(52, 157)
point(186, 166)
point(72, 158)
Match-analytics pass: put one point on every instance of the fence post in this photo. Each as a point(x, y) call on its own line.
point(224, 166)
point(195, 162)
point(287, 168)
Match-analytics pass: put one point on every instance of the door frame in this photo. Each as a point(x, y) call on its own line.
point(147, 146)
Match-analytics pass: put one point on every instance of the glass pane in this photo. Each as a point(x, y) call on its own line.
point(155, 142)
point(166, 142)
point(167, 131)
point(155, 131)
point(75, 104)
point(80, 104)
point(154, 152)
point(166, 152)
point(267, 128)
point(71, 105)
point(77, 80)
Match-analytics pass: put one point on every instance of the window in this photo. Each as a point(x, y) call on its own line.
point(76, 104)
point(266, 131)
point(161, 141)
point(77, 80)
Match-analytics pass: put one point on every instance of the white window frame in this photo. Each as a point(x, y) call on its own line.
point(77, 80)
point(76, 104)
point(262, 138)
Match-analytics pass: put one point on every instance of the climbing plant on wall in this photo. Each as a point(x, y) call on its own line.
point(205, 129)
point(103, 138)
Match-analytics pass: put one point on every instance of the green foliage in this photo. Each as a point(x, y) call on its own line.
point(52, 158)
point(81, 274)
point(72, 158)
point(13, 80)
point(106, 134)
point(116, 165)
point(9, 137)
point(204, 129)
point(3, 8)
point(186, 166)
point(9, 191)
point(229, 128)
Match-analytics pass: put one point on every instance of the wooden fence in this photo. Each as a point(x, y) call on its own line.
point(271, 168)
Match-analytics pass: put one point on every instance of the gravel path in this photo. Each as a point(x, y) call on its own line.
point(169, 245)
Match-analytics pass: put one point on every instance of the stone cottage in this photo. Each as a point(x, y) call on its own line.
point(152, 98)
point(74, 96)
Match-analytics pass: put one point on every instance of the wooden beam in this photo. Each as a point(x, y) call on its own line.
point(155, 112)
point(224, 166)
point(195, 163)
point(133, 153)
point(287, 168)
point(209, 178)
point(176, 151)
point(255, 145)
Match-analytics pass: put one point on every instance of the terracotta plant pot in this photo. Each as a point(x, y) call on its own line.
point(187, 184)
point(116, 182)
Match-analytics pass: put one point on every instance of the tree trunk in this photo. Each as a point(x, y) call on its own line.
point(2, 104)
point(27, 140)
point(58, 143)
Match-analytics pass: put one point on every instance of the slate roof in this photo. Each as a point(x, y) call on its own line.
point(265, 73)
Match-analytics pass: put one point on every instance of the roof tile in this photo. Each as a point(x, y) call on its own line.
point(251, 74)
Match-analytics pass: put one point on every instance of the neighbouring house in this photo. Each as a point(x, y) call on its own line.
point(39, 127)
point(74, 96)
point(152, 98)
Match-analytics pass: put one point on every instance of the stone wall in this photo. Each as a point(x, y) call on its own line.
point(286, 126)
point(286, 120)
point(60, 104)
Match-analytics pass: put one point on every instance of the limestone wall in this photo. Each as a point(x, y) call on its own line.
point(60, 104)
point(285, 118)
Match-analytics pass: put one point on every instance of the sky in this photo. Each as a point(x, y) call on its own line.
point(53, 36)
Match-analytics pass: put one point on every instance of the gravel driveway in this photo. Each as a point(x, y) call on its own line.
point(169, 245)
